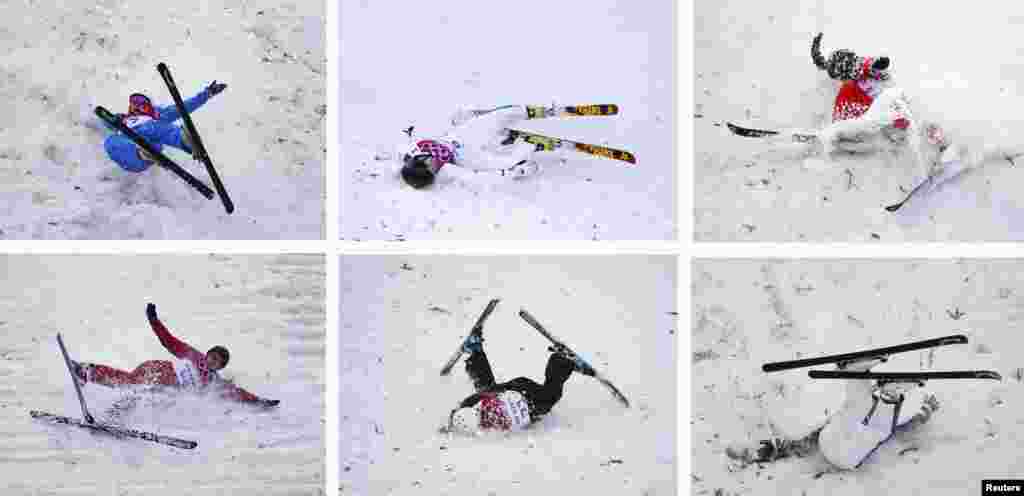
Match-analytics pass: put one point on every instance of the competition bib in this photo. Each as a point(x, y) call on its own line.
point(516, 408)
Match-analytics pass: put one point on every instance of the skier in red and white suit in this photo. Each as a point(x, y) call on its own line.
point(862, 78)
point(193, 370)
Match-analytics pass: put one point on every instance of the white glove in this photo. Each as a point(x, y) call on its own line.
point(523, 169)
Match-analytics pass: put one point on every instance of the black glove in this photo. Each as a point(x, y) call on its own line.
point(215, 88)
point(151, 312)
point(269, 403)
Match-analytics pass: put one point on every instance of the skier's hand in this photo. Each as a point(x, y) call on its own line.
point(215, 88)
point(268, 403)
point(151, 312)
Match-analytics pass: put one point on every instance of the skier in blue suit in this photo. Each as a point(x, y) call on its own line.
point(156, 126)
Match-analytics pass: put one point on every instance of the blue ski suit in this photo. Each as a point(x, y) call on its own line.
point(158, 132)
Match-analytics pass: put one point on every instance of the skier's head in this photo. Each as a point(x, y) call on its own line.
point(217, 357)
point(465, 420)
point(139, 104)
point(418, 169)
point(879, 68)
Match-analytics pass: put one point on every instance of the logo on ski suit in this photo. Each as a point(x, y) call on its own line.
point(133, 121)
point(507, 410)
point(441, 152)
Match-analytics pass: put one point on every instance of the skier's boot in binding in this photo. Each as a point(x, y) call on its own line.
point(579, 364)
point(474, 342)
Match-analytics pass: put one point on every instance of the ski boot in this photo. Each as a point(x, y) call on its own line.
point(580, 364)
point(523, 168)
point(474, 342)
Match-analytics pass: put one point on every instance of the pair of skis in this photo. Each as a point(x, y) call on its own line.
point(883, 353)
point(551, 143)
point(197, 144)
point(90, 423)
point(557, 344)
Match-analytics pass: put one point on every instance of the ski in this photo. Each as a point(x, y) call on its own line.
point(162, 159)
point(591, 110)
point(588, 369)
point(113, 430)
point(865, 354)
point(904, 376)
point(478, 327)
point(74, 380)
point(748, 132)
point(197, 144)
point(546, 111)
point(549, 143)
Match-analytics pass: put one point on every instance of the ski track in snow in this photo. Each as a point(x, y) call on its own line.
point(268, 311)
point(610, 52)
point(842, 306)
point(264, 133)
point(403, 316)
point(753, 67)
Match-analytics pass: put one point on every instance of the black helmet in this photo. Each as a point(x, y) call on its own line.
point(418, 169)
point(223, 352)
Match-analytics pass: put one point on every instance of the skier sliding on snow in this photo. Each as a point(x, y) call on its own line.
point(193, 370)
point(478, 144)
point(156, 126)
point(862, 79)
point(512, 405)
point(868, 417)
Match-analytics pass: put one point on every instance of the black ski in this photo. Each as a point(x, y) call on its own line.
point(865, 354)
point(478, 327)
point(190, 126)
point(904, 376)
point(588, 369)
point(74, 380)
point(162, 159)
point(113, 430)
point(748, 132)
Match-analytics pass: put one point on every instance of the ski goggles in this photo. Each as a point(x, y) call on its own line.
point(140, 104)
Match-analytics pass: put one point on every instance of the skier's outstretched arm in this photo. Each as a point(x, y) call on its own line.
point(173, 345)
point(170, 113)
point(232, 392)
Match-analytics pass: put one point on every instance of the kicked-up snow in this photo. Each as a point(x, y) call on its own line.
point(267, 310)
point(413, 64)
point(264, 133)
point(402, 317)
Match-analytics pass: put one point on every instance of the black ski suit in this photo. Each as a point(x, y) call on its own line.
point(539, 397)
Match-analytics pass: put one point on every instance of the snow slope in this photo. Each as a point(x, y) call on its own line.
point(752, 66)
point(403, 316)
point(412, 63)
point(748, 312)
point(264, 133)
point(267, 310)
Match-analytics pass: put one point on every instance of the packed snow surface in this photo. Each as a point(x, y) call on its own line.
point(413, 63)
point(402, 317)
point(264, 133)
point(267, 310)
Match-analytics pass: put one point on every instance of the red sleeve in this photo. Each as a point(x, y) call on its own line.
point(176, 346)
point(235, 393)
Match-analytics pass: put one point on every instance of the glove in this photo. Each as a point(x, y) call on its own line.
point(268, 403)
point(214, 88)
point(151, 312)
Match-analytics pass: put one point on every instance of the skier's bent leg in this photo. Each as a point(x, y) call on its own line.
point(125, 153)
point(106, 375)
point(558, 370)
point(479, 370)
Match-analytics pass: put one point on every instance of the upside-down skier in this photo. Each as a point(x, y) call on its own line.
point(156, 125)
point(191, 371)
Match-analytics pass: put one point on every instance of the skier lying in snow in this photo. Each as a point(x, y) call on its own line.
point(192, 371)
point(862, 77)
point(868, 417)
point(508, 406)
point(475, 144)
point(156, 126)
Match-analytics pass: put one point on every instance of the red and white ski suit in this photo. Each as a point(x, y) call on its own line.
point(856, 96)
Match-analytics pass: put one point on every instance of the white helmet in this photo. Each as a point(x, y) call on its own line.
point(466, 420)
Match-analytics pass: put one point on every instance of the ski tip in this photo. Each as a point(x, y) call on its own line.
point(161, 67)
point(988, 374)
point(894, 207)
